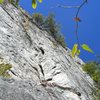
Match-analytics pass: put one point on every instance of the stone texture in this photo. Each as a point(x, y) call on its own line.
point(36, 57)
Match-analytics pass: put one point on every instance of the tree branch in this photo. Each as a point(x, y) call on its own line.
point(77, 19)
point(67, 6)
point(77, 26)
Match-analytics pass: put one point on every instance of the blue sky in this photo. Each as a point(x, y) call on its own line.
point(89, 28)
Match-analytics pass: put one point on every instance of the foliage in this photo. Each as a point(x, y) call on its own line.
point(49, 24)
point(14, 2)
point(87, 48)
point(93, 69)
point(4, 68)
point(90, 67)
point(34, 3)
point(39, 19)
point(76, 51)
point(54, 29)
point(1, 1)
point(97, 94)
point(60, 40)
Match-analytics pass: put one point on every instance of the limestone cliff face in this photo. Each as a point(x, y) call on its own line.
point(41, 69)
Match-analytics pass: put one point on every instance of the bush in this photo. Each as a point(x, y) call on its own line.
point(49, 24)
point(4, 70)
point(93, 69)
point(39, 19)
point(96, 76)
point(90, 67)
point(97, 94)
point(60, 40)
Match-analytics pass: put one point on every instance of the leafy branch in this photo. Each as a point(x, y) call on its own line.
point(76, 47)
point(34, 3)
point(77, 19)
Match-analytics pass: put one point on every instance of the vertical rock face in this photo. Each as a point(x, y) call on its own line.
point(41, 69)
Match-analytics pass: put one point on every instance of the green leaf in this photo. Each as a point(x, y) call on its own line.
point(87, 48)
point(1, 1)
point(40, 1)
point(34, 4)
point(78, 52)
point(74, 50)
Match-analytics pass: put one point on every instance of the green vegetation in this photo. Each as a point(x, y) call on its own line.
point(14, 2)
point(39, 19)
point(34, 3)
point(76, 49)
point(93, 69)
point(49, 24)
point(60, 40)
point(1, 1)
point(4, 68)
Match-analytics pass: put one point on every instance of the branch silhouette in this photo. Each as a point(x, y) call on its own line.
point(77, 19)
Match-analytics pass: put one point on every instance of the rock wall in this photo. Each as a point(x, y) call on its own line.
point(41, 68)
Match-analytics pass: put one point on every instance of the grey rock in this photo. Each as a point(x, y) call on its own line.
point(41, 70)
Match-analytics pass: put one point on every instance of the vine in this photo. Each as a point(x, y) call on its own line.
point(76, 48)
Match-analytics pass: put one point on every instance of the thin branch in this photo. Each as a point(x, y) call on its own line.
point(76, 16)
point(76, 33)
point(67, 6)
point(83, 3)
